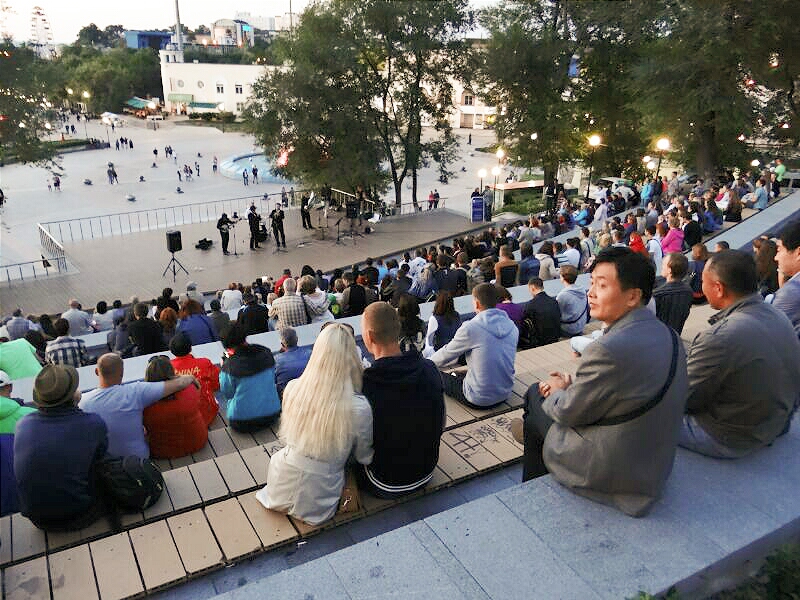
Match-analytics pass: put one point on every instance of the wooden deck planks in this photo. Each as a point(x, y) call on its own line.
point(242, 441)
point(235, 473)
point(220, 441)
point(452, 464)
point(72, 574)
point(27, 580)
point(181, 487)
point(158, 558)
point(257, 461)
point(208, 480)
point(232, 528)
point(115, 567)
point(28, 540)
point(470, 449)
point(5, 539)
point(273, 528)
point(195, 542)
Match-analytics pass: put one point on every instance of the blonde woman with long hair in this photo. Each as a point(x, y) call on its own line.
point(324, 419)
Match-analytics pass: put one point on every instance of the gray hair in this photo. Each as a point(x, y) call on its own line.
point(289, 337)
point(290, 286)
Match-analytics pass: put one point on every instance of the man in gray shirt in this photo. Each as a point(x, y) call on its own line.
point(787, 298)
point(573, 303)
point(79, 321)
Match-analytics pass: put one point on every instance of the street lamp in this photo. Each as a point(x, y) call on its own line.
point(663, 145)
point(482, 174)
point(755, 163)
point(496, 172)
point(594, 141)
point(500, 155)
point(49, 128)
point(86, 95)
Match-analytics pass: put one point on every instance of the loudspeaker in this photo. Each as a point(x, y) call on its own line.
point(174, 241)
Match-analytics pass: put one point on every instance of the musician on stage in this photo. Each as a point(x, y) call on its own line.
point(276, 218)
point(224, 225)
point(305, 213)
point(254, 221)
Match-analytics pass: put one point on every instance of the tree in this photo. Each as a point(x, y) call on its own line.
point(92, 35)
point(202, 30)
point(392, 64)
point(24, 106)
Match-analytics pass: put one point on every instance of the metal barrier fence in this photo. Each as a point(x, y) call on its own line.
point(88, 228)
point(33, 269)
point(52, 249)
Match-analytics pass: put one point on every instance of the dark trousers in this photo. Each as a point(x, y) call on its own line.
point(306, 214)
point(277, 230)
point(225, 239)
point(453, 386)
point(536, 424)
point(251, 425)
point(253, 239)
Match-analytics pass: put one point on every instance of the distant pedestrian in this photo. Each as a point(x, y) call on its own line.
point(57, 183)
point(179, 175)
point(244, 176)
point(214, 166)
point(49, 184)
point(155, 152)
point(469, 140)
point(197, 168)
point(255, 174)
point(130, 145)
point(117, 145)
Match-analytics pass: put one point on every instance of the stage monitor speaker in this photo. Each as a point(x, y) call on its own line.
point(174, 241)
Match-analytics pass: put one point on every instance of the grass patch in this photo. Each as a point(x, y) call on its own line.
point(236, 126)
point(777, 579)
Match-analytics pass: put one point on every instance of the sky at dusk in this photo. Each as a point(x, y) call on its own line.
point(68, 17)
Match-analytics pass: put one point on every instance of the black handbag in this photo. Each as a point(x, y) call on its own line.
point(132, 483)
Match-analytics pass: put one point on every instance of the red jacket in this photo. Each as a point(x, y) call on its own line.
point(207, 374)
point(175, 425)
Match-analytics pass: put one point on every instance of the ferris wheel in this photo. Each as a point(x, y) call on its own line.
point(42, 34)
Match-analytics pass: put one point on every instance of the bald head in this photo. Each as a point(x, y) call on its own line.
point(380, 329)
point(109, 369)
point(74, 303)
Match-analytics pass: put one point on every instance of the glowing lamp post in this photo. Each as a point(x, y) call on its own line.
point(594, 141)
point(663, 145)
point(86, 95)
point(482, 175)
point(496, 173)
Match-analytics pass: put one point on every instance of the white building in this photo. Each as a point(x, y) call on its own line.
point(205, 87)
point(259, 22)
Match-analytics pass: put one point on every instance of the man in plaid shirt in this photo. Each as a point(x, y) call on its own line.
point(66, 350)
point(290, 308)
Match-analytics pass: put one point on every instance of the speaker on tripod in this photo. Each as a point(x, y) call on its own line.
point(174, 244)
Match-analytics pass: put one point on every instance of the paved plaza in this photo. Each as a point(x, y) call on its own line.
point(123, 265)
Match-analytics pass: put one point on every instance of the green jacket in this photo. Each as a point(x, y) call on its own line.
point(10, 413)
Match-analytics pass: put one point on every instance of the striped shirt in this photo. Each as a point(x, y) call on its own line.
point(66, 350)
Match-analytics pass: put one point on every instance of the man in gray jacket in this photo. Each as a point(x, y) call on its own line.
point(611, 435)
point(489, 343)
point(743, 370)
point(572, 302)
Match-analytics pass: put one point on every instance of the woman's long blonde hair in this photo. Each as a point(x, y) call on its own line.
point(317, 416)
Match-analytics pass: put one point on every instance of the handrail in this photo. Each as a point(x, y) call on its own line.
point(155, 218)
point(52, 248)
point(28, 269)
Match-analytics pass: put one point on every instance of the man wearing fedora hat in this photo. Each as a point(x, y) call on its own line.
point(56, 453)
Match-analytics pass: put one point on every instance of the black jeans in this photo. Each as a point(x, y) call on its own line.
point(536, 424)
point(277, 230)
point(225, 239)
point(251, 425)
point(453, 386)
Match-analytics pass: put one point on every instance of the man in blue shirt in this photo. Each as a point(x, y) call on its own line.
point(787, 298)
point(760, 196)
point(121, 405)
point(528, 264)
point(292, 361)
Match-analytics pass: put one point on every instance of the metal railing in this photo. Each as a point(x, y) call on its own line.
point(88, 228)
point(33, 269)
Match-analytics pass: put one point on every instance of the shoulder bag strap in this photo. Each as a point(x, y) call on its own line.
point(638, 412)
point(305, 308)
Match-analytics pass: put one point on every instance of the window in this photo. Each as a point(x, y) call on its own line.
point(239, 107)
point(200, 85)
point(469, 100)
point(180, 82)
point(220, 88)
point(238, 88)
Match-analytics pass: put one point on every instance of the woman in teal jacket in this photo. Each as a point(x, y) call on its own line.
point(247, 382)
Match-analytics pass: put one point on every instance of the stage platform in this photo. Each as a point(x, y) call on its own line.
point(132, 264)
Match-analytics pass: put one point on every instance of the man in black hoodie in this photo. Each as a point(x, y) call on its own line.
point(405, 392)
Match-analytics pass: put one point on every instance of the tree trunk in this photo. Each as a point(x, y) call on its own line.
point(706, 149)
point(414, 185)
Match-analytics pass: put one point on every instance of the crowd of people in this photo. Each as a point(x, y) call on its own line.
point(348, 405)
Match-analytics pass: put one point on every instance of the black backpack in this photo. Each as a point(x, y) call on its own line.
point(132, 483)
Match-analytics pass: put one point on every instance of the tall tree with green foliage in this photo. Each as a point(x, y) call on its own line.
point(387, 68)
point(25, 107)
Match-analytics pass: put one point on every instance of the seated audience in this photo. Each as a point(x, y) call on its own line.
point(449, 279)
point(743, 384)
point(194, 323)
point(17, 326)
point(291, 361)
point(528, 265)
point(165, 300)
point(405, 393)
point(316, 301)
point(572, 303)
point(613, 445)
point(66, 350)
point(220, 319)
point(541, 317)
point(103, 319)
point(674, 298)
point(231, 298)
point(506, 304)
point(247, 382)
point(700, 256)
point(122, 405)
point(325, 420)
point(11, 411)
point(18, 359)
point(145, 333)
point(787, 298)
point(547, 266)
point(506, 269)
point(412, 328)
point(57, 451)
point(489, 341)
point(254, 317)
point(168, 319)
point(289, 309)
point(766, 267)
point(442, 325)
point(80, 323)
point(175, 426)
point(202, 369)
